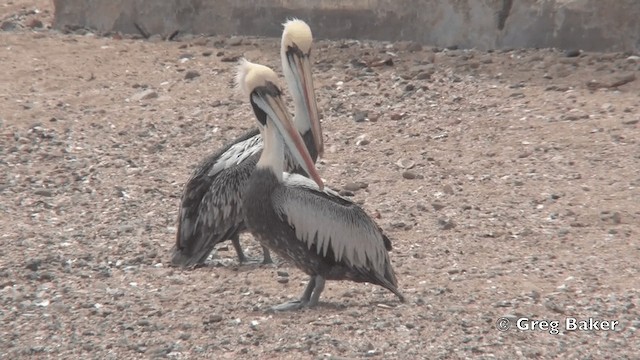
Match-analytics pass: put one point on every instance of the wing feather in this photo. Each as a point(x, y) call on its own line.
point(331, 222)
point(210, 209)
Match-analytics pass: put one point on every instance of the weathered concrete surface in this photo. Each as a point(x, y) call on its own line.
point(594, 25)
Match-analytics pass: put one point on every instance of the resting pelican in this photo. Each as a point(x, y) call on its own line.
point(325, 235)
point(211, 209)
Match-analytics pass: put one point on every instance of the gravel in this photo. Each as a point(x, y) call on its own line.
point(519, 206)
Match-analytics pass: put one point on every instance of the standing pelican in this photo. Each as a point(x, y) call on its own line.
point(325, 235)
point(211, 208)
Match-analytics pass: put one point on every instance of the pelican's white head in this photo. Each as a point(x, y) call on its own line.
point(260, 84)
point(295, 51)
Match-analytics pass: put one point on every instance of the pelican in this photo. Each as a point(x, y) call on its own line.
point(325, 235)
point(211, 208)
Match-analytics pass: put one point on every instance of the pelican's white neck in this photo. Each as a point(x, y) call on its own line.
point(272, 157)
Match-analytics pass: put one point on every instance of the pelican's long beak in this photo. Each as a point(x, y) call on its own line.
point(278, 117)
point(301, 68)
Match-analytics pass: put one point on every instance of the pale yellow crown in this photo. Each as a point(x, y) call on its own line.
point(251, 76)
point(298, 33)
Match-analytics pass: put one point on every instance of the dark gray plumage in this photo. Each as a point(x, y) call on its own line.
point(211, 206)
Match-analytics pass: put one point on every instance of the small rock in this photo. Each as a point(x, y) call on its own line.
point(553, 306)
point(409, 175)
point(230, 58)
point(346, 193)
point(42, 303)
point(630, 122)
point(414, 46)
point(44, 192)
point(207, 53)
point(622, 79)
point(34, 265)
point(234, 41)
point(145, 95)
point(283, 280)
point(405, 164)
point(124, 229)
point(422, 72)
point(611, 218)
point(355, 186)
point(360, 116)
point(396, 116)
point(8, 26)
point(213, 319)
point(572, 53)
point(446, 224)
point(191, 74)
point(362, 140)
point(448, 189)
point(282, 273)
point(35, 24)
point(437, 206)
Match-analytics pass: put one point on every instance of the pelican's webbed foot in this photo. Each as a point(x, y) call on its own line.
point(288, 306)
point(309, 297)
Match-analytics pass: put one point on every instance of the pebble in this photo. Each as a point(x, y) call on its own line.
point(448, 189)
point(437, 206)
point(446, 224)
point(282, 273)
point(360, 116)
point(35, 24)
point(362, 140)
point(422, 72)
point(34, 265)
point(346, 193)
point(355, 186)
point(283, 280)
point(214, 318)
point(572, 53)
point(191, 74)
point(145, 95)
point(234, 41)
point(611, 218)
point(409, 175)
point(396, 116)
point(405, 164)
point(8, 26)
point(44, 192)
point(553, 306)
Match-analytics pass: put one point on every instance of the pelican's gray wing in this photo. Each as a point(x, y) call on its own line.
point(329, 221)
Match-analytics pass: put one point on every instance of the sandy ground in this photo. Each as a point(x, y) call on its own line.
point(508, 181)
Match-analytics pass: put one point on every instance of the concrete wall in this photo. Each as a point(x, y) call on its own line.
point(594, 25)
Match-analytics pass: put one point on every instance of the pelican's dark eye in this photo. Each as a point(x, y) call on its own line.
point(295, 50)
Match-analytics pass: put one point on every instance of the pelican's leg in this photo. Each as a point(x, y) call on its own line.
point(235, 240)
point(304, 300)
point(317, 290)
point(266, 255)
